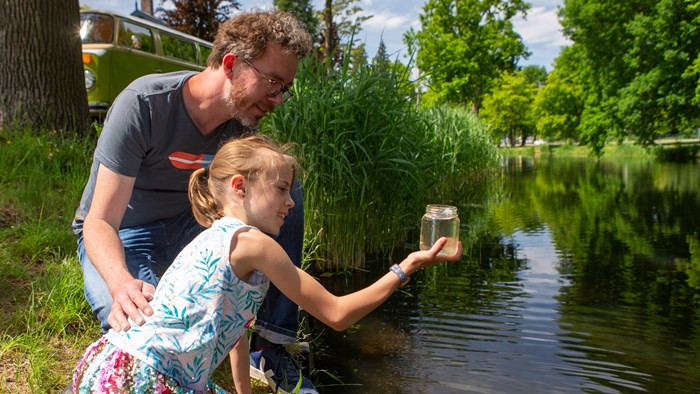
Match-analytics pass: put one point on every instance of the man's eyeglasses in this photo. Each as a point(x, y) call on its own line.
point(274, 87)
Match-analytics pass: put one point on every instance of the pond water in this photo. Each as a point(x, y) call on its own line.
point(580, 276)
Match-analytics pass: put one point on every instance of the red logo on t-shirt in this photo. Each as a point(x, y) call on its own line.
point(189, 161)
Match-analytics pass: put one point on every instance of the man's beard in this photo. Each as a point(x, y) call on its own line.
point(234, 102)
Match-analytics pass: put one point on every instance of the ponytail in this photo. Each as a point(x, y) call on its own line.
point(204, 206)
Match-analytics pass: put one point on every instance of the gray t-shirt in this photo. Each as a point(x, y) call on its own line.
point(149, 135)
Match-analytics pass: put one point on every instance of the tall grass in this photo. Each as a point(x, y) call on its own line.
point(46, 321)
point(372, 159)
point(461, 158)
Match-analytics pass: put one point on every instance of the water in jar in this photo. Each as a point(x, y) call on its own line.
point(440, 221)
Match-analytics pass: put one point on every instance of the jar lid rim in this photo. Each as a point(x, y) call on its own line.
point(440, 208)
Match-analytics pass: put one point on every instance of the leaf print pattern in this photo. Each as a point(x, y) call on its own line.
point(201, 309)
point(175, 318)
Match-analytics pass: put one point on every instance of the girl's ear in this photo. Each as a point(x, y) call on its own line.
point(238, 184)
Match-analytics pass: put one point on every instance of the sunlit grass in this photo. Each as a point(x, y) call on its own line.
point(46, 321)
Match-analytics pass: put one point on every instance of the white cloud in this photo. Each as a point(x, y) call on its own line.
point(541, 28)
point(385, 21)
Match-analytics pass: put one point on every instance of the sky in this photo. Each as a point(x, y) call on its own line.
point(540, 30)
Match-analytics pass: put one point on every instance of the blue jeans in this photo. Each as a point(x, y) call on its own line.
point(151, 248)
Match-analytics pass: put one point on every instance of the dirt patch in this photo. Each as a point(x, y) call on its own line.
point(12, 373)
point(8, 217)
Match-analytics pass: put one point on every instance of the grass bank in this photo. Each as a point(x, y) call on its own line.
point(46, 322)
point(666, 149)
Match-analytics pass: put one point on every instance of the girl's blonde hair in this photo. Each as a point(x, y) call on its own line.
point(254, 157)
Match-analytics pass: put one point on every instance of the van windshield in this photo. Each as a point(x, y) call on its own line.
point(96, 28)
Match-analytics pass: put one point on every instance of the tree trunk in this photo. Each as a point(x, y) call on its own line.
point(42, 85)
point(330, 33)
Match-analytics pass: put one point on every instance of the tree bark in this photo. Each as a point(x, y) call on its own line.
point(42, 85)
point(330, 34)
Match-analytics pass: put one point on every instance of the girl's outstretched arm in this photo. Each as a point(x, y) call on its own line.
point(256, 251)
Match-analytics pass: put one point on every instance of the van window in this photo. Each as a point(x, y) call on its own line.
point(205, 51)
point(136, 36)
point(96, 28)
point(178, 48)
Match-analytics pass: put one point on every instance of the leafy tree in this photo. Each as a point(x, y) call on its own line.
point(693, 71)
point(342, 23)
point(535, 74)
point(358, 55)
point(348, 18)
point(381, 61)
point(507, 109)
point(420, 85)
point(200, 18)
point(597, 29)
point(42, 84)
point(399, 73)
point(559, 103)
point(304, 11)
point(658, 99)
point(637, 67)
point(464, 45)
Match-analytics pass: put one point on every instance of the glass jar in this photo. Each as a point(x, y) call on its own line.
point(440, 221)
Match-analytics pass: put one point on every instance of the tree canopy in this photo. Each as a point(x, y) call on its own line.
point(465, 45)
point(200, 18)
point(636, 68)
point(558, 105)
point(304, 11)
point(507, 109)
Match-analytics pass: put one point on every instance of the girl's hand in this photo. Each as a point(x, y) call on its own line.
point(426, 258)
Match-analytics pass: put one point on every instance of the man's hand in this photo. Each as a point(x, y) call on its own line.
point(131, 300)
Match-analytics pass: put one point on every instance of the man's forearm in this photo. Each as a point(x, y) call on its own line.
point(106, 252)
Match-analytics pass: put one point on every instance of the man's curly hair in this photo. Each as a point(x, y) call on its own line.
point(248, 34)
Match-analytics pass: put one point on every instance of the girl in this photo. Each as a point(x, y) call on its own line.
point(208, 297)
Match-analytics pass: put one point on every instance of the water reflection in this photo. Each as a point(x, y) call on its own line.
point(578, 283)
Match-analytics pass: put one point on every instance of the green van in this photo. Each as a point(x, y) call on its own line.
point(118, 49)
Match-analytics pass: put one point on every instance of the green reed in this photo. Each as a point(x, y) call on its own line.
point(372, 160)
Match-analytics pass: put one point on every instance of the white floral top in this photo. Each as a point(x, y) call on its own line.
point(201, 309)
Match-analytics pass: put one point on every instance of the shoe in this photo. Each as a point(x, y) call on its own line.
point(276, 367)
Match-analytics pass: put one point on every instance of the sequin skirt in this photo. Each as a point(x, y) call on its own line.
point(104, 368)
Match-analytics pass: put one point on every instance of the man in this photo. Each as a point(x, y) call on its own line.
point(134, 216)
